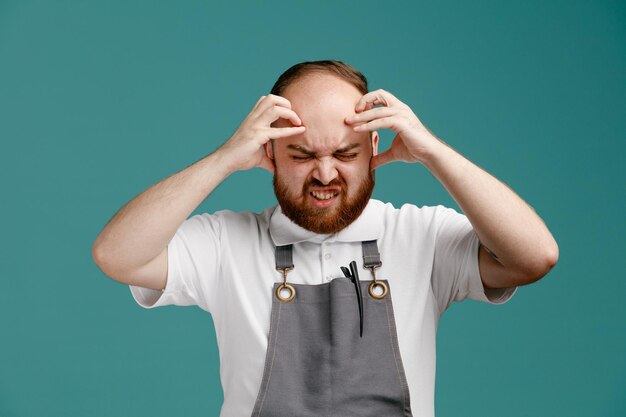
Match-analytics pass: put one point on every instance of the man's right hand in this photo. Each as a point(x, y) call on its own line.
point(243, 150)
point(132, 248)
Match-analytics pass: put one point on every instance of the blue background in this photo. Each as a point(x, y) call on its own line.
point(100, 100)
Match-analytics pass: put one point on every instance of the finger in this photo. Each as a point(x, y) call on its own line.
point(366, 116)
point(383, 123)
point(273, 100)
point(266, 163)
point(276, 112)
point(258, 102)
point(382, 159)
point(283, 132)
point(374, 98)
point(369, 101)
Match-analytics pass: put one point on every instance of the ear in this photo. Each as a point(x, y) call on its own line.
point(268, 148)
point(374, 139)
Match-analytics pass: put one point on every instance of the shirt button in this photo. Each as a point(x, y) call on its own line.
point(328, 256)
point(328, 278)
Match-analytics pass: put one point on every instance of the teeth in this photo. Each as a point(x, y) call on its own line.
point(322, 195)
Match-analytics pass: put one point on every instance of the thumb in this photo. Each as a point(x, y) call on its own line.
point(382, 159)
point(266, 163)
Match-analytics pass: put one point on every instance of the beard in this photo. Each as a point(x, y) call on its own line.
point(324, 220)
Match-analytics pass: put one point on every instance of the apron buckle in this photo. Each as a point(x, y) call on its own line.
point(376, 289)
point(285, 287)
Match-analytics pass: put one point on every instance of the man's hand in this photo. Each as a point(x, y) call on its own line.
point(243, 150)
point(413, 142)
point(525, 249)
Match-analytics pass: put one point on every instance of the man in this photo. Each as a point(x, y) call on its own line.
point(300, 333)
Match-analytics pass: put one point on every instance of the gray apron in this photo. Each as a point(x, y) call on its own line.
point(333, 348)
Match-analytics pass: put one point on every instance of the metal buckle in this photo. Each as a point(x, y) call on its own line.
point(376, 284)
point(285, 286)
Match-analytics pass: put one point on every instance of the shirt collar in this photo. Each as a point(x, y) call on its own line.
point(368, 226)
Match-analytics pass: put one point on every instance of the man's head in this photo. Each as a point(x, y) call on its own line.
point(322, 177)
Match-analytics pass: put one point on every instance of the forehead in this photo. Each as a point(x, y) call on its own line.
point(323, 101)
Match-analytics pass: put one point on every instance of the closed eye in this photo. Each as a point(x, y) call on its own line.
point(301, 157)
point(346, 156)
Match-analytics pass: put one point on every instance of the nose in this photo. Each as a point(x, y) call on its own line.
point(325, 171)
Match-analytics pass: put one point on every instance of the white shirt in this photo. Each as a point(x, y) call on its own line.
point(224, 263)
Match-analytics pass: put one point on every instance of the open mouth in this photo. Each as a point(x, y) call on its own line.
point(325, 198)
point(324, 195)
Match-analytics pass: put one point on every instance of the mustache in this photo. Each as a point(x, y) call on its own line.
point(337, 182)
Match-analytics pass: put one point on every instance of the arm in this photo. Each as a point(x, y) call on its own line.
point(521, 248)
point(132, 247)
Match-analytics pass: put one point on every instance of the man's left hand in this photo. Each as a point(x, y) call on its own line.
point(413, 141)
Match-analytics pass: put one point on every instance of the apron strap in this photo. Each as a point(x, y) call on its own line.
point(371, 256)
point(371, 261)
point(284, 263)
point(284, 257)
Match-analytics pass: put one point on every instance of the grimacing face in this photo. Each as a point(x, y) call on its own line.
point(322, 177)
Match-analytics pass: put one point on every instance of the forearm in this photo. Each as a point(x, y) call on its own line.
point(141, 229)
point(504, 223)
point(522, 246)
point(139, 233)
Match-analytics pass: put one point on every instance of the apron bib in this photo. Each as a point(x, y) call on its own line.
point(333, 348)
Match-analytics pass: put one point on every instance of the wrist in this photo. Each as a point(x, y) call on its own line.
point(437, 151)
point(224, 161)
point(219, 164)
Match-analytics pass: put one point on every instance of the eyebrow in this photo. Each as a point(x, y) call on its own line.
point(304, 150)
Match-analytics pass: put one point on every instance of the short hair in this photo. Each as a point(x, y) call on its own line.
point(338, 68)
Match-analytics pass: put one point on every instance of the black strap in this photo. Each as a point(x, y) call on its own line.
point(371, 256)
point(284, 257)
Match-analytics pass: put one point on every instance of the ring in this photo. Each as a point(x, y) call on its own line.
point(288, 287)
point(374, 284)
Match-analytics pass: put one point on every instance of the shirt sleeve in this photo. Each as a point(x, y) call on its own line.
point(456, 273)
point(193, 262)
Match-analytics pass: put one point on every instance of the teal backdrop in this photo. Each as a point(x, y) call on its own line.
point(101, 99)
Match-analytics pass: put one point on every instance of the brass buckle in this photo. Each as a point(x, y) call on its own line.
point(285, 286)
point(376, 284)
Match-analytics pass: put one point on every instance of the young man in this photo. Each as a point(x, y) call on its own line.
point(298, 334)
